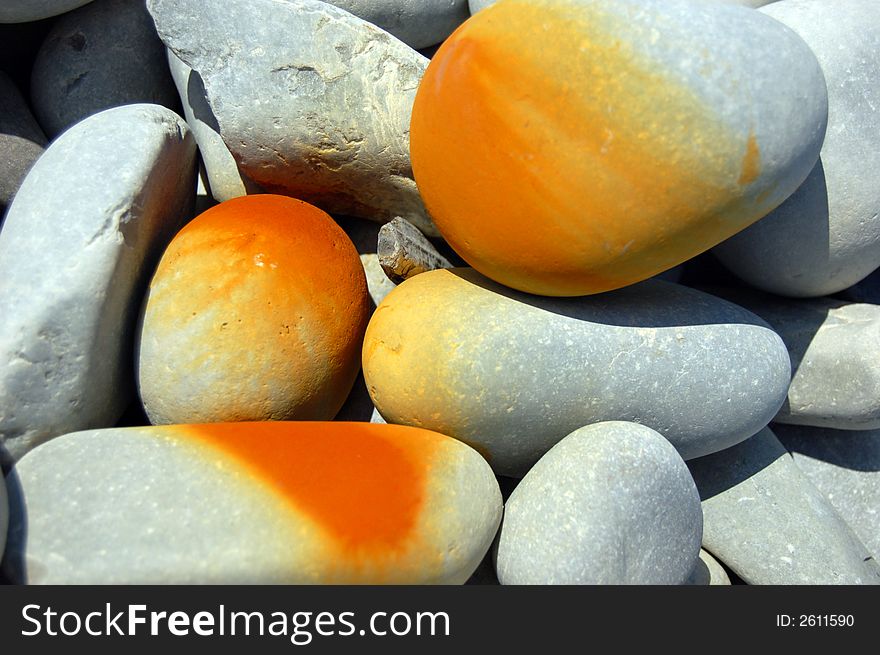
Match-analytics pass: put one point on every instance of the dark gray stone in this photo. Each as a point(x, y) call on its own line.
point(21, 141)
point(769, 524)
point(418, 23)
point(103, 55)
point(24, 11)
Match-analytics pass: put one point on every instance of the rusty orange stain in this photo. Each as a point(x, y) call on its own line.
point(751, 164)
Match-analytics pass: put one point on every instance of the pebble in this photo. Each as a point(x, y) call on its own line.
point(24, 11)
point(404, 251)
point(512, 374)
point(612, 503)
point(708, 572)
point(256, 312)
point(311, 101)
point(477, 5)
point(845, 466)
point(672, 126)
point(21, 141)
point(769, 524)
point(104, 55)
point(277, 502)
point(76, 250)
point(4, 515)
point(826, 236)
point(835, 358)
point(418, 23)
point(225, 180)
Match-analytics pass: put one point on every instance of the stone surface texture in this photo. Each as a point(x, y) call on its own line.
point(21, 141)
point(418, 23)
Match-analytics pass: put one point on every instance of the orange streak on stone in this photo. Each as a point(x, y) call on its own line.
point(751, 165)
point(364, 484)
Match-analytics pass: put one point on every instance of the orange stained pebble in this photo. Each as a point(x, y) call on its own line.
point(363, 483)
point(558, 158)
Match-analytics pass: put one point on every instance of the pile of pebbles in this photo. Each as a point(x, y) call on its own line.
point(437, 291)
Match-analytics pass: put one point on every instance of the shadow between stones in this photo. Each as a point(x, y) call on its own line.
point(716, 473)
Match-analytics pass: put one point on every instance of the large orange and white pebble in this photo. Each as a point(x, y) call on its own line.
point(565, 147)
point(256, 312)
point(272, 502)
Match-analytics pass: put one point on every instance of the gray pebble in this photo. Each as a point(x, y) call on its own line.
point(708, 572)
point(104, 55)
point(845, 466)
point(76, 250)
point(24, 11)
point(612, 503)
point(826, 236)
point(769, 524)
point(404, 251)
point(21, 141)
point(418, 23)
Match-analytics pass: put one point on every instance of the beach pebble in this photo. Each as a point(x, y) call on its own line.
point(845, 466)
point(512, 374)
point(256, 312)
point(418, 23)
point(404, 251)
point(21, 141)
point(312, 101)
point(637, 134)
point(769, 524)
point(76, 250)
point(612, 503)
point(23, 11)
point(835, 358)
point(276, 502)
point(104, 55)
point(826, 236)
point(708, 572)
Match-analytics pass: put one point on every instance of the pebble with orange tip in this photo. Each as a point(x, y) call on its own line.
point(270, 502)
point(256, 312)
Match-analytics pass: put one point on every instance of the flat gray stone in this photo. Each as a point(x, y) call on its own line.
point(845, 466)
point(826, 236)
point(225, 181)
point(104, 55)
point(312, 101)
point(612, 503)
point(769, 524)
point(707, 572)
point(835, 358)
point(512, 374)
point(24, 11)
point(77, 248)
point(418, 23)
point(170, 505)
point(21, 141)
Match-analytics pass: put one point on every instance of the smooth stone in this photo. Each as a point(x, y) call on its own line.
point(769, 524)
point(866, 290)
point(845, 466)
point(708, 572)
point(311, 101)
point(25, 11)
point(77, 248)
point(512, 374)
point(835, 358)
point(225, 180)
point(418, 23)
point(256, 312)
point(826, 236)
point(21, 141)
point(277, 502)
point(104, 55)
point(611, 503)
point(636, 134)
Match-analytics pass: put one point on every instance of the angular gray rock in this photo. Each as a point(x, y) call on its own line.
point(513, 374)
point(404, 251)
point(78, 245)
point(769, 524)
point(826, 236)
point(835, 358)
point(418, 23)
point(311, 101)
point(612, 503)
point(708, 572)
point(104, 55)
point(21, 141)
point(225, 181)
point(24, 11)
point(845, 466)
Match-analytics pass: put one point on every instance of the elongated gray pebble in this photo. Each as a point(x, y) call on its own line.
point(104, 55)
point(612, 503)
point(418, 23)
point(769, 524)
point(21, 141)
point(513, 373)
point(312, 101)
point(76, 250)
